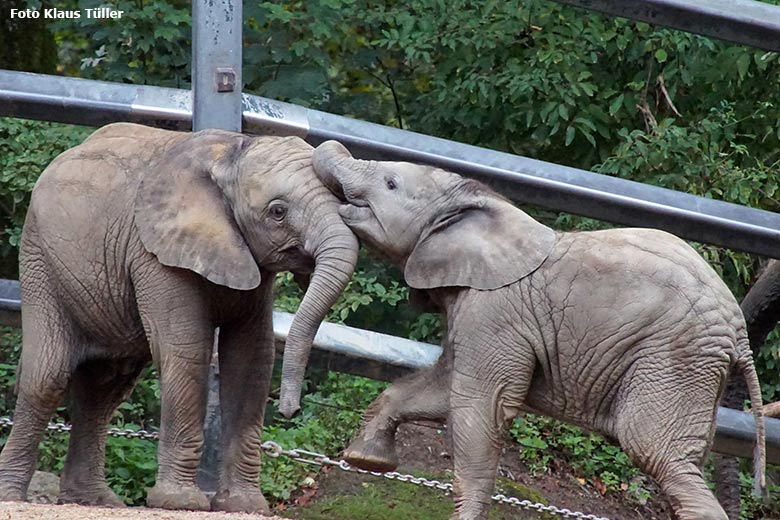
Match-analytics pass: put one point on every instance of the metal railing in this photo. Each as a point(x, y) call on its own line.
point(740, 21)
point(78, 101)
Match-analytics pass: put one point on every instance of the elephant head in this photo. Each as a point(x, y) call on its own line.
point(442, 229)
point(234, 208)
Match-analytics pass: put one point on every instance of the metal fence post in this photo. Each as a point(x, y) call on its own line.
point(216, 91)
point(216, 64)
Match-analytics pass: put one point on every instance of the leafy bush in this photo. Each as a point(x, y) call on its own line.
point(10, 348)
point(131, 467)
point(591, 457)
point(150, 44)
point(26, 148)
point(329, 418)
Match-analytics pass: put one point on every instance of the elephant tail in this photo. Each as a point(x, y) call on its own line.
point(748, 370)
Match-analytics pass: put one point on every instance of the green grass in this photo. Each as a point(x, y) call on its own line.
point(390, 500)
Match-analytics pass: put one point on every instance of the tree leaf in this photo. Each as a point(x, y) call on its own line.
point(569, 135)
point(614, 107)
point(743, 63)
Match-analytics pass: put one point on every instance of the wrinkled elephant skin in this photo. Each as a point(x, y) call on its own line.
point(626, 332)
point(138, 243)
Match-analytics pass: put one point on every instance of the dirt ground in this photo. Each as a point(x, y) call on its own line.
point(26, 511)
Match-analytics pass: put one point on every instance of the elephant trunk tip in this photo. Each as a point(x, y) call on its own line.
point(289, 402)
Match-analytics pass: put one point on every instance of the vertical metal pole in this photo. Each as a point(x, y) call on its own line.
point(216, 92)
point(208, 472)
point(216, 64)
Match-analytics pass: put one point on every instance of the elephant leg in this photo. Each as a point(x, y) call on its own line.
point(96, 389)
point(424, 395)
point(183, 377)
point(482, 400)
point(181, 337)
point(246, 358)
point(667, 430)
point(42, 380)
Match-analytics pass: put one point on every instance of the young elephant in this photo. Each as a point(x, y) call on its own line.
point(137, 244)
point(625, 332)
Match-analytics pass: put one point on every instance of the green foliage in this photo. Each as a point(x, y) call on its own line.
point(768, 367)
point(537, 78)
point(604, 465)
point(381, 499)
point(756, 508)
point(10, 348)
point(591, 457)
point(329, 418)
point(131, 467)
point(131, 464)
point(149, 44)
point(708, 157)
point(26, 148)
point(52, 451)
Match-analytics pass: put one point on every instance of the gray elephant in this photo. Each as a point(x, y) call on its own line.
point(137, 244)
point(625, 332)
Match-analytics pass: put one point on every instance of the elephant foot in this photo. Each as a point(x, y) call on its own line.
point(12, 494)
point(173, 496)
point(240, 501)
point(102, 496)
point(377, 455)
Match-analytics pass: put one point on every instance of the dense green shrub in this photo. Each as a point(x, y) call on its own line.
point(26, 148)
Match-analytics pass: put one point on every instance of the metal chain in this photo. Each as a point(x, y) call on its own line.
point(59, 427)
point(274, 450)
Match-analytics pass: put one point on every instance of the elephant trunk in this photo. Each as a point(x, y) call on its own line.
point(335, 258)
point(335, 167)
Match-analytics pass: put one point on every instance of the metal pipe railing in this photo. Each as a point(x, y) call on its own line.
point(381, 356)
point(561, 188)
point(740, 21)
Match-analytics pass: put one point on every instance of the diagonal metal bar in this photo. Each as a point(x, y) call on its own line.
point(740, 21)
point(385, 357)
point(561, 188)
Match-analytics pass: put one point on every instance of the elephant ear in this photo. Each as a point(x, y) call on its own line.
point(183, 216)
point(484, 244)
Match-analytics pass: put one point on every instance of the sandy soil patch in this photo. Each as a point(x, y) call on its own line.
point(27, 511)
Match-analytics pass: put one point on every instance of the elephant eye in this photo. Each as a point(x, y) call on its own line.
point(391, 185)
point(277, 211)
